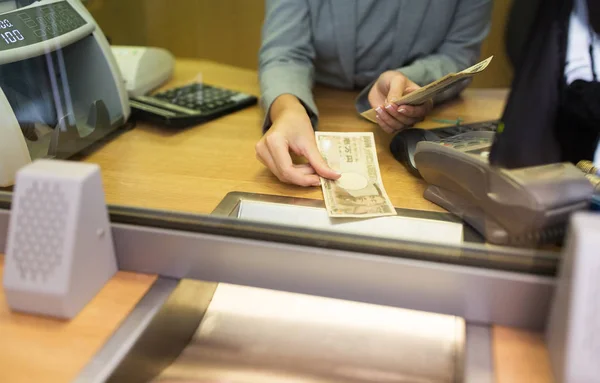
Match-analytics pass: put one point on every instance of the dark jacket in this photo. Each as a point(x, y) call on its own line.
point(519, 27)
point(521, 21)
point(535, 43)
point(546, 120)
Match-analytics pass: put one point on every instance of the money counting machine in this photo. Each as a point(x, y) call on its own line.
point(60, 87)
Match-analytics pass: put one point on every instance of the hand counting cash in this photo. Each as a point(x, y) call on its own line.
point(359, 192)
point(431, 90)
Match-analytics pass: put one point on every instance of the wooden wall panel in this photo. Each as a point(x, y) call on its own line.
point(228, 31)
point(499, 73)
point(123, 21)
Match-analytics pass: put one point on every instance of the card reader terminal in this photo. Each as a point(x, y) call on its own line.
point(403, 145)
point(524, 207)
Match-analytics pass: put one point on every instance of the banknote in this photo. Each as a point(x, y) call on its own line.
point(429, 91)
point(359, 192)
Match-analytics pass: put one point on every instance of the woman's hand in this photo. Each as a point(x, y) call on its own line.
point(292, 131)
point(391, 86)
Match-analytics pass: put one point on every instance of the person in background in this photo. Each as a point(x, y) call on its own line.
point(553, 112)
point(385, 48)
point(582, 67)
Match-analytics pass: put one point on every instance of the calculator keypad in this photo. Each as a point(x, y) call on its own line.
point(203, 98)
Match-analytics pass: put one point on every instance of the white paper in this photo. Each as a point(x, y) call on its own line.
point(395, 227)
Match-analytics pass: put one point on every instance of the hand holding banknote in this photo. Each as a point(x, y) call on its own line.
point(419, 96)
point(391, 117)
point(292, 132)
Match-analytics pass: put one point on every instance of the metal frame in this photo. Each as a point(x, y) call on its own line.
point(479, 361)
point(470, 253)
point(154, 334)
point(4, 218)
point(130, 333)
point(478, 295)
point(483, 284)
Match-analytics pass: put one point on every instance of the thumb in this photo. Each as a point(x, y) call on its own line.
point(312, 154)
point(397, 88)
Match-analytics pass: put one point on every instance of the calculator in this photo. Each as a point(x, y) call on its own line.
point(189, 105)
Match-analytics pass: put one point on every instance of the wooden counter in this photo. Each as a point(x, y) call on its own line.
point(36, 349)
point(192, 170)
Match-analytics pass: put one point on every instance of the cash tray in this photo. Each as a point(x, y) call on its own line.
point(205, 331)
point(197, 331)
point(409, 225)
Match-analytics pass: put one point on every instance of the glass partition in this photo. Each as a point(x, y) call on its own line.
point(201, 115)
point(356, 191)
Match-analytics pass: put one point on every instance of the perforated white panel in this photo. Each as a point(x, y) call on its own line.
point(40, 235)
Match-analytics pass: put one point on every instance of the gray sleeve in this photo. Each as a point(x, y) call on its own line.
point(460, 50)
point(286, 56)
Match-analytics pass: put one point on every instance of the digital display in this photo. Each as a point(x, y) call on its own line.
point(33, 25)
point(9, 33)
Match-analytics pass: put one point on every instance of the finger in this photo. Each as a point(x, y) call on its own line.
point(258, 157)
point(413, 111)
point(305, 168)
point(312, 154)
point(410, 111)
point(421, 110)
point(389, 119)
point(263, 155)
point(280, 153)
point(386, 128)
point(397, 88)
point(410, 116)
point(265, 158)
point(404, 119)
point(376, 98)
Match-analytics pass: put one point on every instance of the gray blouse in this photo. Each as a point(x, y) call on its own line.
point(347, 44)
point(373, 59)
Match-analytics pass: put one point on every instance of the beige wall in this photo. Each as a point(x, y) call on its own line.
point(123, 21)
point(228, 31)
point(499, 73)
